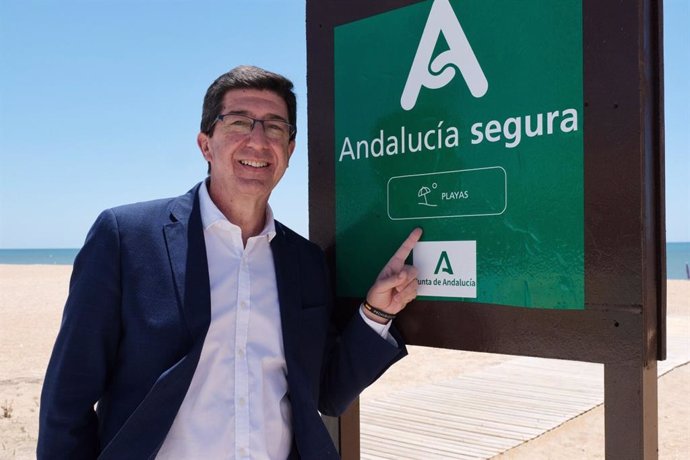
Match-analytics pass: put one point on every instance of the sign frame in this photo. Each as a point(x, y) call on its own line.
point(623, 323)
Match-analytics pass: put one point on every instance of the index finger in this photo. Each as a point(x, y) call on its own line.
point(406, 248)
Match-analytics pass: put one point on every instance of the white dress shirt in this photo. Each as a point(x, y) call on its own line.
point(237, 405)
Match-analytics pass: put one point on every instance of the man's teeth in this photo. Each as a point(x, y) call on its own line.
point(254, 164)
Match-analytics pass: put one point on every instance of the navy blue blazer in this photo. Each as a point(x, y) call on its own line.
point(135, 320)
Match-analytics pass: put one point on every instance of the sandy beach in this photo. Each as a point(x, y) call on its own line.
point(31, 302)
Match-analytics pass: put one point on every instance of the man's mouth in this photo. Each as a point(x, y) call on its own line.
point(254, 164)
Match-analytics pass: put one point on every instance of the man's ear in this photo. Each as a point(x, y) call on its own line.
point(291, 148)
point(202, 141)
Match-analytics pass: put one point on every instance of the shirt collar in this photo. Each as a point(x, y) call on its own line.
point(211, 215)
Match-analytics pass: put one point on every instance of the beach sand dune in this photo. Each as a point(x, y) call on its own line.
point(31, 302)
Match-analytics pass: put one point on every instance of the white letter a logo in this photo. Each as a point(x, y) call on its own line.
point(442, 19)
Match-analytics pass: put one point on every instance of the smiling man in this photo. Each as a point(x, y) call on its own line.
point(199, 326)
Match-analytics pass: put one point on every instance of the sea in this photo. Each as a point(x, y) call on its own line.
point(677, 258)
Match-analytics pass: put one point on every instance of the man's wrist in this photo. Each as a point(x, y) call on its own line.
point(372, 317)
point(376, 314)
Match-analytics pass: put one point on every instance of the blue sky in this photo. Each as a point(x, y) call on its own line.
point(100, 104)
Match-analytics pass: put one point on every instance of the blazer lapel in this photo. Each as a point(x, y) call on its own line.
point(184, 237)
point(286, 260)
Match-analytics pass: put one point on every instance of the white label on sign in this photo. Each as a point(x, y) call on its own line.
point(446, 268)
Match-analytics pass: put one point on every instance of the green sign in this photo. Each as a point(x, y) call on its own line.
point(464, 118)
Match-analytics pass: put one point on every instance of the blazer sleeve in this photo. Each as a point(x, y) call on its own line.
point(85, 349)
point(356, 358)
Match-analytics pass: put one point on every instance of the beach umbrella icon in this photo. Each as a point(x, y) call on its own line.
point(423, 192)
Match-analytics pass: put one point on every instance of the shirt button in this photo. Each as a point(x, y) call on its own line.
point(244, 304)
point(240, 352)
point(242, 401)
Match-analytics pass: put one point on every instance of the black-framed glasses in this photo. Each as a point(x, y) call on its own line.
point(237, 123)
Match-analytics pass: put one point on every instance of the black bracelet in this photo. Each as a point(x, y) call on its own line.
point(377, 312)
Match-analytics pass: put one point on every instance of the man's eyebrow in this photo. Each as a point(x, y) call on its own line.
point(269, 116)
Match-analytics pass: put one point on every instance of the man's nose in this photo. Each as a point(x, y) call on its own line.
point(258, 134)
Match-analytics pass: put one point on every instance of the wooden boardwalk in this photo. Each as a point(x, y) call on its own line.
point(480, 415)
